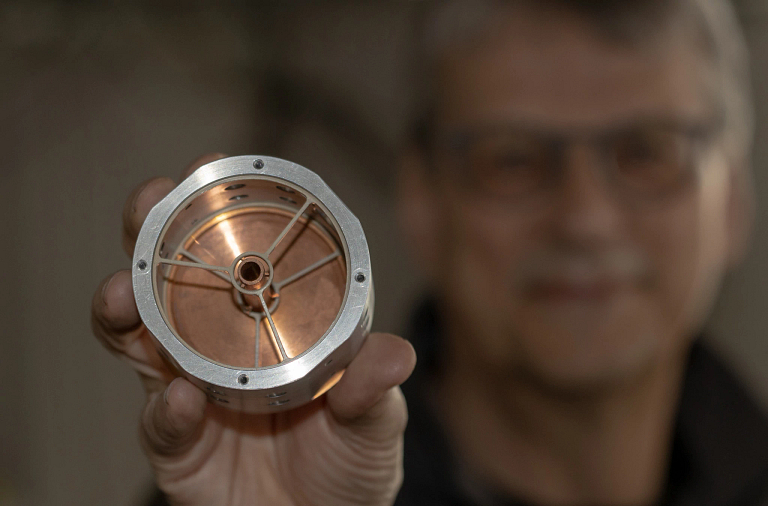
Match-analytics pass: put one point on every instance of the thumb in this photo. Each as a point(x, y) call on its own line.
point(367, 398)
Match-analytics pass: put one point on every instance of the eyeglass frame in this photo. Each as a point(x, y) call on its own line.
point(700, 133)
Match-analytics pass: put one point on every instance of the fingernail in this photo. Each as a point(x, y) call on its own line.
point(104, 290)
point(165, 394)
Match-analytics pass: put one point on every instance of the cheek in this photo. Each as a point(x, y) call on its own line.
point(687, 244)
point(496, 240)
point(483, 246)
point(670, 238)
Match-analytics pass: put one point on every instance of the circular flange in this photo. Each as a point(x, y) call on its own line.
point(261, 240)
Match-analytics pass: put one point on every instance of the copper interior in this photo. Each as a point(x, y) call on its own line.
point(217, 321)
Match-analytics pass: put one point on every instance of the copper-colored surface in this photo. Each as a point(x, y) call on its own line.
point(205, 314)
point(329, 384)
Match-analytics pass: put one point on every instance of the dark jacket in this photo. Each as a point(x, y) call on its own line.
point(719, 455)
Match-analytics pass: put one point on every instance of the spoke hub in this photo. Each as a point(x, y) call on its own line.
point(252, 273)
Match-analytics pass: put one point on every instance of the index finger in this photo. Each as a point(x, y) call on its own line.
point(147, 195)
point(199, 162)
point(140, 202)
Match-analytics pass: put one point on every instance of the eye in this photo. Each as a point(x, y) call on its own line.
point(641, 149)
point(510, 152)
point(510, 163)
point(651, 160)
point(514, 160)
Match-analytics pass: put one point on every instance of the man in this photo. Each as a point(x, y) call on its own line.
point(579, 186)
point(580, 189)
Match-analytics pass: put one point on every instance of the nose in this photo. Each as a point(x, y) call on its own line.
point(587, 211)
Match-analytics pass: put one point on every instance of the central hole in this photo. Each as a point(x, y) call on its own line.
point(250, 271)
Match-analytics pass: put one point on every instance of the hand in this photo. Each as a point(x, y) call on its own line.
point(343, 448)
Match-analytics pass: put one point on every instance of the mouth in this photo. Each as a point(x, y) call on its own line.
point(565, 290)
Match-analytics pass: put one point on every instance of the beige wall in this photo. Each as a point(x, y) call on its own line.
point(94, 101)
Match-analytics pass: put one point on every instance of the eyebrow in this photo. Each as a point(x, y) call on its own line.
point(627, 123)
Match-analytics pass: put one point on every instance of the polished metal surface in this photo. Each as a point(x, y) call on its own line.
point(255, 281)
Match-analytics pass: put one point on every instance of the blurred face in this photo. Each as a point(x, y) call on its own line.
point(576, 214)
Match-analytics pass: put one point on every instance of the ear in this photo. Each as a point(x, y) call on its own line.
point(418, 209)
point(741, 213)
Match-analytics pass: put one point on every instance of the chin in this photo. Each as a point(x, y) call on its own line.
point(589, 366)
point(588, 343)
point(589, 351)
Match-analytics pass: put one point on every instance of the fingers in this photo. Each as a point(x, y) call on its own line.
point(116, 323)
point(172, 419)
point(146, 195)
point(138, 205)
point(366, 391)
point(114, 304)
point(115, 318)
point(199, 162)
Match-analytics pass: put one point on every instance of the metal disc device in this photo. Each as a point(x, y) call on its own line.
point(255, 281)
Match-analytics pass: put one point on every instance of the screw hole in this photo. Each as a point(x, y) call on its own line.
point(290, 201)
point(359, 277)
point(238, 197)
point(258, 164)
point(242, 379)
point(328, 362)
point(234, 187)
point(142, 265)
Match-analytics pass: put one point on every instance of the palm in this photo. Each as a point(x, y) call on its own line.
point(295, 457)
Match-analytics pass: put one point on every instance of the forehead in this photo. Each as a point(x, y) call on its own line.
point(557, 69)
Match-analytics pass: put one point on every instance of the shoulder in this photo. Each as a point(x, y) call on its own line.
point(724, 432)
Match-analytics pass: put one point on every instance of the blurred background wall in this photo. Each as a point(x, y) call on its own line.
point(95, 98)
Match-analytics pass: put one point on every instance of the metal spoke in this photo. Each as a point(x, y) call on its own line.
point(258, 332)
point(197, 259)
point(283, 355)
point(198, 265)
point(306, 270)
point(287, 228)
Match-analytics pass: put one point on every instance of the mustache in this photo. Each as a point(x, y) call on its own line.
point(583, 266)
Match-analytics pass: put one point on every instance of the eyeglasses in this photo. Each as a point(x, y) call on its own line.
point(650, 160)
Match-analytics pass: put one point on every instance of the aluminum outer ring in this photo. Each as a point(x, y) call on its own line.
point(357, 302)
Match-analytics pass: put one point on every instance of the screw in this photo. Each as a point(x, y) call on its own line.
point(142, 265)
point(258, 164)
point(359, 277)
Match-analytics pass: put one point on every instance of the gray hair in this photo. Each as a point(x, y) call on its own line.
point(712, 23)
